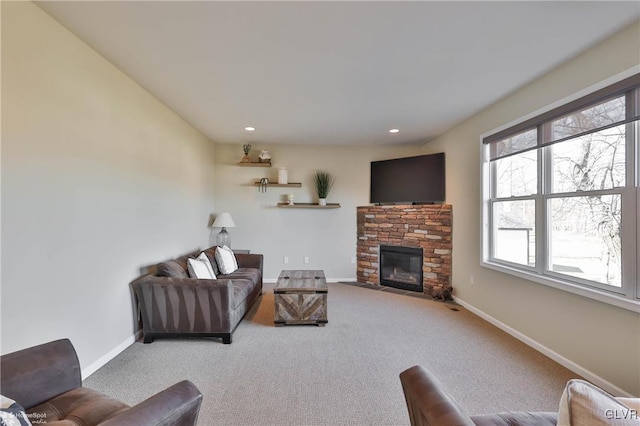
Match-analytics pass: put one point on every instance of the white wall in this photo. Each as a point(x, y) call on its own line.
point(98, 180)
point(602, 339)
point(327, 237)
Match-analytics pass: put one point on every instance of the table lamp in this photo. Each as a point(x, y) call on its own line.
point(224, 221)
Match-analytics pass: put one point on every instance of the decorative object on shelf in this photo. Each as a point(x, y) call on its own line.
point(224, 221)
point(283, 176)
point(323, 181)
point(264, 157)
point(246, 148)
point(290, 199)
point(264, 183)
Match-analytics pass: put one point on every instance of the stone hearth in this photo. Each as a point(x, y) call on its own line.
point(425, 226)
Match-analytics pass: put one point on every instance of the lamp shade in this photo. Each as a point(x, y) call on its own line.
point(224, 220)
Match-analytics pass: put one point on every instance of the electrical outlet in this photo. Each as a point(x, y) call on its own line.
point(472, 280)
point(306, 259)
point(353, 260)
point(285, 259)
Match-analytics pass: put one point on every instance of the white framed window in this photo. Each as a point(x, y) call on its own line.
point(561, 203)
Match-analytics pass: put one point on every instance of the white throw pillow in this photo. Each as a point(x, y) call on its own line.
point(226, 260)
point(585, 404)
point(633, 403)
point(6, 402)
point(205, 259)
point(12, 413)
point(200, 267)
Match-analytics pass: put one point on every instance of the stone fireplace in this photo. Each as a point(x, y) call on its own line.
point(425, 228)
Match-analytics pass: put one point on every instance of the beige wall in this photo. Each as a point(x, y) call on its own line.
point(327, 237)
point(600, 338)
point(98, 180)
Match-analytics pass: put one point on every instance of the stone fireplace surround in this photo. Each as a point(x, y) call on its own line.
point(428, 226)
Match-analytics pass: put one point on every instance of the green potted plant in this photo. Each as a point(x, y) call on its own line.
point(323, 181)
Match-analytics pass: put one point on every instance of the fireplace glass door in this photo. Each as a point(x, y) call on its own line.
point(401, 267)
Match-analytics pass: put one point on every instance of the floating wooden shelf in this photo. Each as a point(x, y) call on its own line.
point(254, 164)
point(287, 185)
point(308, 206)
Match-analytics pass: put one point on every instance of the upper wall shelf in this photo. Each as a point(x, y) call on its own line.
point(254, 164)
point(308, 206)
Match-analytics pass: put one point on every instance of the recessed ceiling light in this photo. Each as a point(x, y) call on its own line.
point(394, 131)
point(250, 129)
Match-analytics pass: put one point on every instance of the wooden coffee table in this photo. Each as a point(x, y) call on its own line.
point(301, 298)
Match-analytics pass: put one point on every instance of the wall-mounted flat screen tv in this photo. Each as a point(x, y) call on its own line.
point(412, 180)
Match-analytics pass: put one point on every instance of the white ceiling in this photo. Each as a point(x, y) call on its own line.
point(336, 72)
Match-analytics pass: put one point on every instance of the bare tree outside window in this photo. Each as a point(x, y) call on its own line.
point(585, 230)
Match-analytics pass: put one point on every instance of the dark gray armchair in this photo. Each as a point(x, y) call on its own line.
point(46, 381)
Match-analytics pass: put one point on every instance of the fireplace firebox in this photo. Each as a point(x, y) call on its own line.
point(401, 267)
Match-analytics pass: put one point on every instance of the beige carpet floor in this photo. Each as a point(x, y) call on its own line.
point(345, 373)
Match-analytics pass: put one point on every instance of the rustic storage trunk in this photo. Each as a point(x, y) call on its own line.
point(301, 298)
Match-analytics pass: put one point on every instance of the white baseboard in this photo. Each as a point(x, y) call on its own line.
point(89, 370)
point(576, 368)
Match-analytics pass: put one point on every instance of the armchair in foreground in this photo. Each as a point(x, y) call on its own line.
point(429, 405)
point(46, 381)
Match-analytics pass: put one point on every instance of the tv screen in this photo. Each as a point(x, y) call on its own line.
point(408, 180)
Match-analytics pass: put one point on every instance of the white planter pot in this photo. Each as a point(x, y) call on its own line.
point(322, 201)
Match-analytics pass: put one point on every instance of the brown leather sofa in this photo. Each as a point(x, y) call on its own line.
point(429, 405)
point(46, 381)
point(174, 305)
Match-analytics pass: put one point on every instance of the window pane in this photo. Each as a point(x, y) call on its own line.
point(517, 175)
point(514, 230)
point(590, 162)
point(598, 116)
point(520, 142)
point(585, 238)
